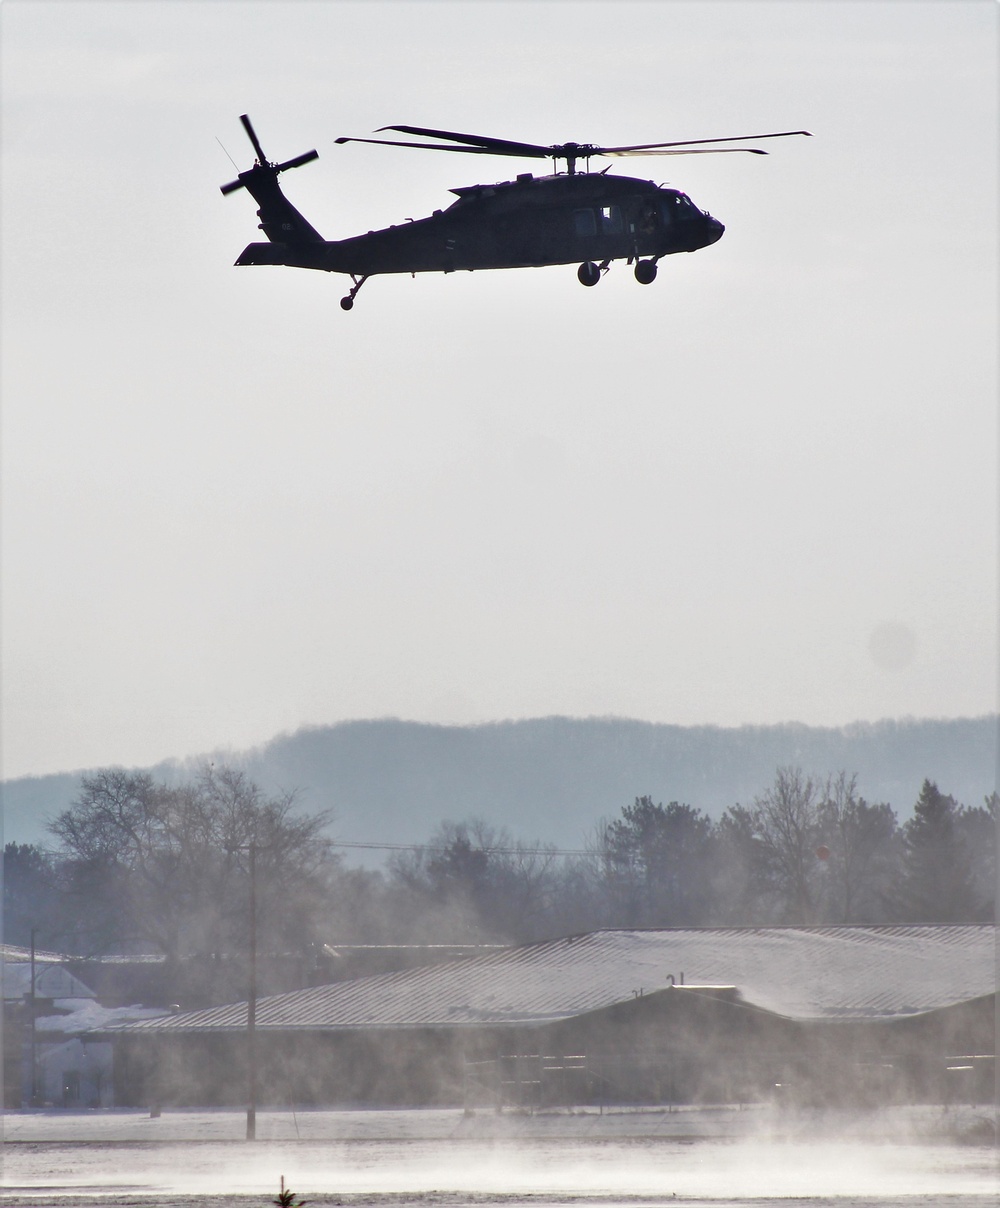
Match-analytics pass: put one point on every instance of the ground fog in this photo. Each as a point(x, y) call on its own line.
point(424, 1159)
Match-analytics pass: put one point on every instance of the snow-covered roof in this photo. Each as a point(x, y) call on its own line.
point(85, 1015)
point(14, 954)
point(52, 980)
point(801, 973)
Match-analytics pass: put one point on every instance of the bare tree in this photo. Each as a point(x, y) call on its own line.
point(166, 868)
point(775, 840)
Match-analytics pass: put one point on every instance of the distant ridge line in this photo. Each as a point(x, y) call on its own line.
point(554, 779)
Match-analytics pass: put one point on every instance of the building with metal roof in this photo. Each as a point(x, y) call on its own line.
point(629, 1002)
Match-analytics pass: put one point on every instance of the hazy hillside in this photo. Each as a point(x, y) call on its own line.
point(554, 778)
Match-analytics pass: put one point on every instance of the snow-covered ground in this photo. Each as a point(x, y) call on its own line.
point(720, 1157)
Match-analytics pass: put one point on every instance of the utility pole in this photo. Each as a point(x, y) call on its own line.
point(252, 1005)
point(251, 994)
point(33, 1013)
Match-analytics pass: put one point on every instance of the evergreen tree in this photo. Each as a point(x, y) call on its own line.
point(654, 865)
point(32, 896)
point(936, 884)
point(473, 883)
point(977, 826)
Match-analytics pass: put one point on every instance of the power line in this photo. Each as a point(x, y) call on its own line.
point(431, 847)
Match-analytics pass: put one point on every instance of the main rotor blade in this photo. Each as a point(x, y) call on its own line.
point(624, 152)
point(502, 146)
point(521, 152)
point(481, 144)
point(695, 142)
point(253, 138)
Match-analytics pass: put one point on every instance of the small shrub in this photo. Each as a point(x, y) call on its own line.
point(286, 1198)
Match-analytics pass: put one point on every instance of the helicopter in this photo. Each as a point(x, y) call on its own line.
point(567, 217)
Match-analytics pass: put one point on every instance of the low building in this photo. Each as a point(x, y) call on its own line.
point(53, 1054)
point(816, 1014)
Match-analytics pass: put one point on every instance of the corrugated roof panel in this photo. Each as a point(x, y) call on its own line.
point(802, 973)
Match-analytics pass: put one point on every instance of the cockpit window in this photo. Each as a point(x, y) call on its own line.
point(676, 207)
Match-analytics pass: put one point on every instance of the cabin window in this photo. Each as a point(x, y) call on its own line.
point(611, 220)
point(585, 222)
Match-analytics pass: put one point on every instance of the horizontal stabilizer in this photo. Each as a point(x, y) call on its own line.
point(296, 255)
point(264, 253)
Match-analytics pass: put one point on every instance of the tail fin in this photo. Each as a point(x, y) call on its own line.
point(279, 219)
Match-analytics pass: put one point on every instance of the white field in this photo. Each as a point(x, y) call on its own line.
point(893, 1158)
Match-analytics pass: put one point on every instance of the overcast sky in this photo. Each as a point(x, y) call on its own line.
point(762, 489)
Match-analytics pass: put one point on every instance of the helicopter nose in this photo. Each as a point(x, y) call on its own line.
point(713, 231)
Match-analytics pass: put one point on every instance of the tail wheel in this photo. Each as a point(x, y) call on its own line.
point(588, 273)
point(645, 271)
point(347, 303)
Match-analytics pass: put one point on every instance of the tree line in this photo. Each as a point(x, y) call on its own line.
point(137, 866)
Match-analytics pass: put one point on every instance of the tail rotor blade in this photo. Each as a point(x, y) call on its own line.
point(261, 158)
point(263, 167)
point(306, 158)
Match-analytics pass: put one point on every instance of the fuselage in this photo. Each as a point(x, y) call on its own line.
point(530, 221)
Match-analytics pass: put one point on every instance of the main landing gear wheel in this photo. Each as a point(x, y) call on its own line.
point(346, 303)
point(588, 273)
point(645, 271)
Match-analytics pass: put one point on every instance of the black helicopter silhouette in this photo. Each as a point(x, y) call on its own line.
point(570, 216)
